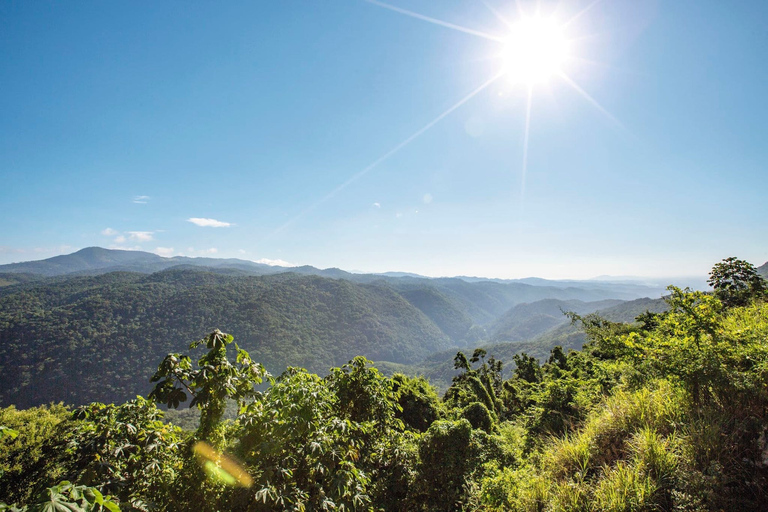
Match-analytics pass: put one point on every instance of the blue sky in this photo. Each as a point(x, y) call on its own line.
point(120, 122)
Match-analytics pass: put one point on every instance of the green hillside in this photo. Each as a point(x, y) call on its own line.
point(526, 321)
point(438, 367)
point(65, 340)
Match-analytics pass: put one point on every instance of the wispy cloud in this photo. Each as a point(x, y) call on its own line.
point(141, 199)
point(377, 205)
point(11, 250)
point(278, 263)
point(164, 251)
point(120, 239)
point(209, 223)
point(109, 232)
point(140, 236)
point(125, 247)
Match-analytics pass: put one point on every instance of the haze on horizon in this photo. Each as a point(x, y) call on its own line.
point(389, 137)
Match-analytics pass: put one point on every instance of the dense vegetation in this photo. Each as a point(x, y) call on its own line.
point(667, 413)
point(79, 339)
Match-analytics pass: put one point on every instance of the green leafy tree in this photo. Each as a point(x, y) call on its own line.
point(419, 403)
point(26, 466)
point(301, 454)
point(687, 344)
point(125, 450)
point(211, 384)
point(67, 497)
point(446, 455)
point(736, 282)
point(482, 384)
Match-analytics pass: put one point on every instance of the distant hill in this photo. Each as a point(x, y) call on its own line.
point(528, 320)
point(438, 367)
point(69, 322)
point(97, 260)
point(101, 338)
point(763, 270)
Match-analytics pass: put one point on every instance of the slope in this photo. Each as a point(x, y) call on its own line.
point(100, 338)
point(528, 320)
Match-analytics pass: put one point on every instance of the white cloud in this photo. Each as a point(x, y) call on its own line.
point(279, 263)
point(241, 251)
point(109, 232)
point(61, 249)
point(427, 198)
point(164, 251)
point(141, 199)
point(209, 223)
point(140, 236)
point(120, 239)
point(125, 248)
point(377, 205)
point(212, 250)
point(11, 250)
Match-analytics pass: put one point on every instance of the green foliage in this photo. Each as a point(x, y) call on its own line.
point(446, 461)
point(302, 455)
point(24, 458)
point(419, 403)
point(736, 282)
point(478, 416)
point(67, 497)
point(214, 381)
point(667, 413)
point(86, 339)
point(123, 450)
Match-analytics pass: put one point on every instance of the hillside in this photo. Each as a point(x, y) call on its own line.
point(66, 322)
point(438, 368)
point(97, 260)
point(528, 320)
point(763, 270)
point(64, 340)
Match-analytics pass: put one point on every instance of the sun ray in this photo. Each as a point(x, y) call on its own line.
point(525, 141)
point(436, 21)
point(388, 154)
point(498, 14)
point(581, 13)
point(597, 64)
point(590, 99)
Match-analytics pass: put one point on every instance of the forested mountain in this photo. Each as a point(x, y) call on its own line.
point(99, 338)
point(62, 337)
point(763, 270)
point(66, 328)
point(439, 368)
point(526, 321)
point(96, 260)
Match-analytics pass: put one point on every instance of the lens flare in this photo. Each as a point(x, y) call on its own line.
point(221, 468)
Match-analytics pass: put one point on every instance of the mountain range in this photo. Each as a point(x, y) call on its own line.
point(93, 325)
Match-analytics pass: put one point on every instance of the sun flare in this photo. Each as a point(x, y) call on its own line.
point(535, 51)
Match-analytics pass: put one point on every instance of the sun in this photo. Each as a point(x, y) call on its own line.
point(535, 51)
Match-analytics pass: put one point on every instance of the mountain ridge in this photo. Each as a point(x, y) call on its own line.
point(98, 260)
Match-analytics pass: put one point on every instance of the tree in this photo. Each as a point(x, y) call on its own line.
point(736, 282)
point(213, 382)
